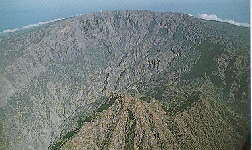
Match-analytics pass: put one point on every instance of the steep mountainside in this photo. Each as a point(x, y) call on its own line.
point(126, 80)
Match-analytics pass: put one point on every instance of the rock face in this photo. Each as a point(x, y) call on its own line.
point(126, 80)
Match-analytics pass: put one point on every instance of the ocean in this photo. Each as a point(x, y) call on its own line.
point(16, 15)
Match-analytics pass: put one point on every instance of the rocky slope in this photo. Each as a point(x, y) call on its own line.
point(126, 80)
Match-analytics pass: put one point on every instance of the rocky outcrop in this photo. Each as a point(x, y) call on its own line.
point(104, 73)
point(131, 123)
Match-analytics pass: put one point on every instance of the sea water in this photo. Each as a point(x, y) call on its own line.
point(16, 14)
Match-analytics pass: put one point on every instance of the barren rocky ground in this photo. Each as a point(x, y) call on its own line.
point(126, 80)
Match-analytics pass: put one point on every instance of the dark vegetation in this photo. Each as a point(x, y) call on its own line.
point(82, 119)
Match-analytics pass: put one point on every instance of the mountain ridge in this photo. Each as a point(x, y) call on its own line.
point(66, 72)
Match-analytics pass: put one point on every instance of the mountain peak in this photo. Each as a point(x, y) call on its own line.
point(126, 80)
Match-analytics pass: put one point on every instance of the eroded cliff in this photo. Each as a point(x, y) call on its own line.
point(121, 78)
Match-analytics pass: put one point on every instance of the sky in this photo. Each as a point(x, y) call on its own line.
point(14, 14)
